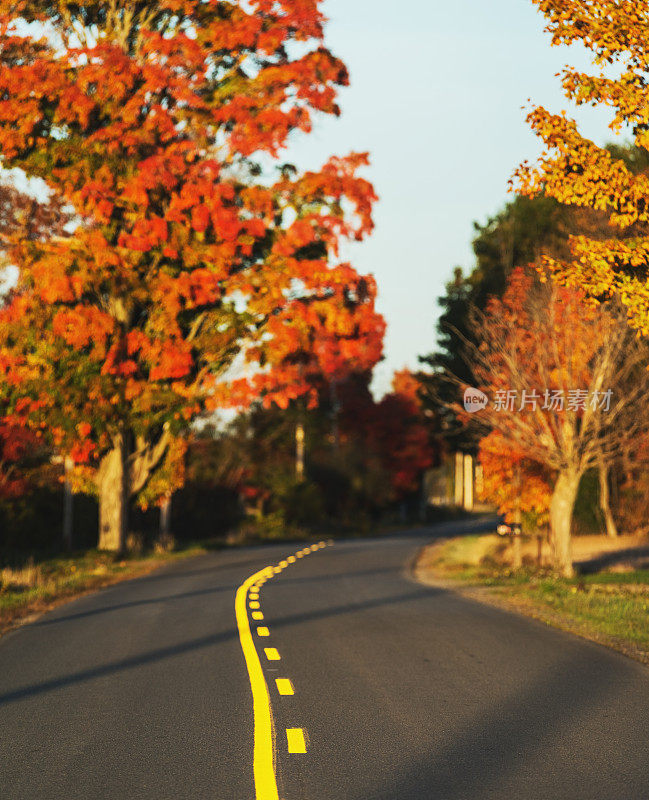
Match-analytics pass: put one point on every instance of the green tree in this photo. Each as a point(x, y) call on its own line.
point(515, 236)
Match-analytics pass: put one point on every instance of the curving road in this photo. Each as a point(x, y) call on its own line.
point(399, 691)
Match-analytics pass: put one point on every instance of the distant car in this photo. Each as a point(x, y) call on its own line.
point(509, 530)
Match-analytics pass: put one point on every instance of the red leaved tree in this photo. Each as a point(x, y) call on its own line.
point(393, 430)
point(154, 122)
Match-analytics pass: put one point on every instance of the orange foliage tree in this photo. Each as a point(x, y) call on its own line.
point(25, 216)
point(576, 171)
point(157, 123)
point(22, 216)
point(18, 445)
point(513, 482)
point(567, 389)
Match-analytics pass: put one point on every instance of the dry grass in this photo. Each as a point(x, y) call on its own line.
point(28, 577)
point(33, 588)
point(588, 548)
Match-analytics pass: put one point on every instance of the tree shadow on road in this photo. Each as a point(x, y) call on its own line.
point(564, 736)
point(193, 645)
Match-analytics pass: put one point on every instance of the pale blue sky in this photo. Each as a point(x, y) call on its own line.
point(436, 96)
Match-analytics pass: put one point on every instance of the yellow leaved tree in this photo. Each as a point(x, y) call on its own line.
point(575, 171)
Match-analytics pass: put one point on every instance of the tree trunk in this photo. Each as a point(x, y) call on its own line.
point(561, 508)
point(604, 498)
point(165, 513)
point(166, 541)
point(517, 557)
point(113, 498)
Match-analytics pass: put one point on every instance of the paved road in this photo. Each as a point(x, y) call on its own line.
point(403, 692)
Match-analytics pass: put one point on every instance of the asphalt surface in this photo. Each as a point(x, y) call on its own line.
point(404, 692)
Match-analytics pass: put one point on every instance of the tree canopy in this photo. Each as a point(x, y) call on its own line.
point(157, 122)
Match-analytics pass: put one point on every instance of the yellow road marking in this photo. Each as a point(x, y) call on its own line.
point(295, 739)
point(263, 766)
point(263, 753)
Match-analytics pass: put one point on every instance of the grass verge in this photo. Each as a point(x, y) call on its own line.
point(609, 608)
point(28, 591)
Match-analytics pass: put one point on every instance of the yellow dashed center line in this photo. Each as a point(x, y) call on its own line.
point(264, 743)
point(295, 740)
point(284, 686)
point(263, 761)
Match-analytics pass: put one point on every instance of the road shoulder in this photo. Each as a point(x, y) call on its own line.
point(429, 570)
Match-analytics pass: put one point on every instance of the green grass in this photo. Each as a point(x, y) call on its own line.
point(604, 605)
point(640, 576)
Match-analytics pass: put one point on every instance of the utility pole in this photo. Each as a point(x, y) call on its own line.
point(459, 482)
point(299, 451)
point(165, 515)
point(68, 466)
point(335, 410)
point(468, 482)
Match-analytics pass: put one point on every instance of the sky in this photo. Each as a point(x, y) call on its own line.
point(437, 96)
